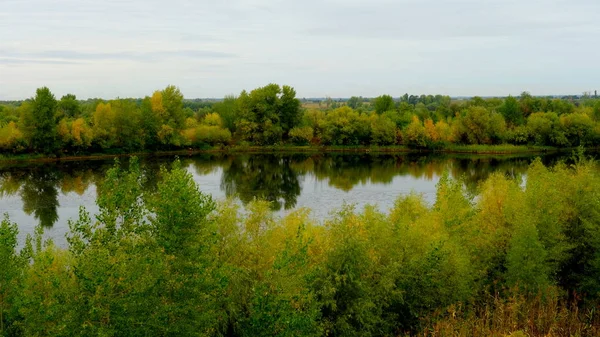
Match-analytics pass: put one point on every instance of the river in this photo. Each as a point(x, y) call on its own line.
point(51, 193)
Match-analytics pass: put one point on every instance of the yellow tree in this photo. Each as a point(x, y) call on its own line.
point(81, 133)
point(431, 131)
point(104, 128)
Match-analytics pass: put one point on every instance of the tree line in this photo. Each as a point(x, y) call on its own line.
point(521, 258)
point(272, 115)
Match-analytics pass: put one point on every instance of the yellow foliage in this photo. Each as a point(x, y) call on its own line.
point(9, 136)
point(213, 119)
point(444, 131)
point(81, 133)
point(190, 123)
point(431, 131)
point(63, 131)
point(156, 103)
point(165, 133)
point(189, 136)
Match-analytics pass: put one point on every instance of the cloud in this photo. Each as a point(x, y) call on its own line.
point(73, 56)
point(321, 47)
point(9, 61)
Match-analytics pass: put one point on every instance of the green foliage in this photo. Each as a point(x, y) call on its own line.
point(510, 111)
point(40, 121)
point(172, 102)
point(578, 128)
point(383, 130)
point(480, 126)
point(355, 102)
point(68, 106)
point(228, 110)
point(344, 126)
point(383, 103)
point(267, 114)
point(526, 260)
point(301, 136)
point(11, 278)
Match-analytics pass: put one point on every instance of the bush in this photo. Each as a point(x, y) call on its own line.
point(301, 135)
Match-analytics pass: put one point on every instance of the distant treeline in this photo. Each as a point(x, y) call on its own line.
point(272, 115)
point(520, 259)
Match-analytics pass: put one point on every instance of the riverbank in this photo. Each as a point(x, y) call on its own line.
point(505, 149)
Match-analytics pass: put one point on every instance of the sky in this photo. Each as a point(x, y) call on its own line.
point(336, 48)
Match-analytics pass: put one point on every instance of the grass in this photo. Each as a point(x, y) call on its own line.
point(515, 315)
point(502, 148)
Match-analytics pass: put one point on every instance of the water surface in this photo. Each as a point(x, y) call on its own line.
point(51, 193)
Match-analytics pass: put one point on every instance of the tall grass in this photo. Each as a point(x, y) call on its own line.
point(542, 315)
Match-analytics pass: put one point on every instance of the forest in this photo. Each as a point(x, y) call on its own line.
point(273, 116)
point(514, 257)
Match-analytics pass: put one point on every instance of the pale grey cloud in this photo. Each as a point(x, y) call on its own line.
point(66, 55)
point(321, 47)
point(8, 61)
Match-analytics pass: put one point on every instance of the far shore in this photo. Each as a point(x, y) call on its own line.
point(456, 149)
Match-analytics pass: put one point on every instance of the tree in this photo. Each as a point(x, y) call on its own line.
point(228, 110)
point(383, 130)
point(104, 125)
point(267, 114)
point(415, 134)
point(41, 122)
point(68, 106)
point(355, 102)
point(511, 112)
point(480, 126)
point(289, 109)
point(11, 276)
point(383, 103)
point(172, 102)
point(527, 103)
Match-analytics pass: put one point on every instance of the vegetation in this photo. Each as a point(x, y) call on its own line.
point(272, 115)
point(519, 259)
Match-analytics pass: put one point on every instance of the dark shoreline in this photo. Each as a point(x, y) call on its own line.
point(474, 150)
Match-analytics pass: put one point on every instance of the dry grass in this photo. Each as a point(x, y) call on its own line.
point(516, 316)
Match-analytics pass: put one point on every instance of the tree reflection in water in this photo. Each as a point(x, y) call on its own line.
point(266, 177)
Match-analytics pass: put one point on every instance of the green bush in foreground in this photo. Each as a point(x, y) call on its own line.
point(172, 262)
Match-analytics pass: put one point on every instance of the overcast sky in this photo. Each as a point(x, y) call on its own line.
point(337, 48)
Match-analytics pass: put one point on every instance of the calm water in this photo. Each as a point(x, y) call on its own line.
point(50, 194)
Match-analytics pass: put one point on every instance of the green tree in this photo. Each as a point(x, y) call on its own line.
point(172, 102)
point(40, 122)
point(526, 260)
point(383, 103)
point(267, 114)
point(355, 102)
point(69, 106)
point(228, 110)
point(183, 231)
point(510, 111)
point(11, 278)
point(289, 109)
point(383, 130)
